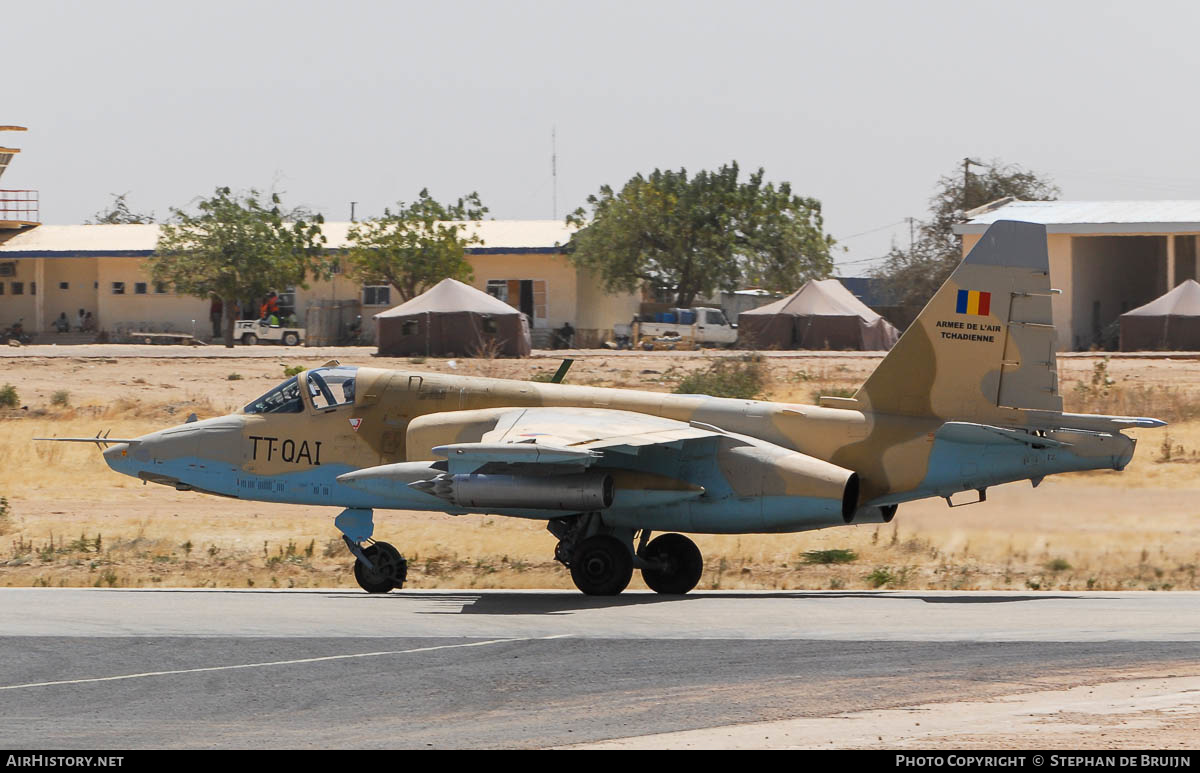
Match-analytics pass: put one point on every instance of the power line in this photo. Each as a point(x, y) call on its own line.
point(873, 230)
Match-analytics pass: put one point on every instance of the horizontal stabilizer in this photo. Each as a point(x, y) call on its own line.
point(984, 434)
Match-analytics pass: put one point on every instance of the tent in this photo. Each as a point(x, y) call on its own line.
point(1171, 321)
point(452, 318)
point(822, 314)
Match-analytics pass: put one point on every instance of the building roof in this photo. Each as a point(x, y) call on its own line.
point(1091, 217)
point(49, 241)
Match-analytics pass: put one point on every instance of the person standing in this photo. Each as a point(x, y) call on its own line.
point(216, 312)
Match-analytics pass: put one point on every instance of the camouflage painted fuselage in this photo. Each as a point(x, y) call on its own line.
point(967, 399)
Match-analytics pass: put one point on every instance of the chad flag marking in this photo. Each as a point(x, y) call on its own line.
point(974, 302)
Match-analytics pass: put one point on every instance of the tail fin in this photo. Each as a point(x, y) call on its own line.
point(984, 343)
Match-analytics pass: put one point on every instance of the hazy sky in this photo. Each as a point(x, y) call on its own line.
point(862, 105)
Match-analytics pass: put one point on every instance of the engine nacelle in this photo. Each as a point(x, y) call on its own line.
point(871, 514)
point(578, 493)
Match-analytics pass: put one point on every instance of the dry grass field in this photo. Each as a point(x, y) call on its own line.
point(67, 520)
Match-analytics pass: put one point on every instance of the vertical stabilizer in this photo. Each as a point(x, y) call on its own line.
point(984, 343)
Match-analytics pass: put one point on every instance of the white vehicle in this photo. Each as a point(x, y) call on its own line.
point(251, 331)
point(692, 329)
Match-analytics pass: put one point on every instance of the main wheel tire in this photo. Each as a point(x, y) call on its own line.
point(678, 564)
point(391, 570)
point(290, 339)
point(249, 339)
point(601, 566)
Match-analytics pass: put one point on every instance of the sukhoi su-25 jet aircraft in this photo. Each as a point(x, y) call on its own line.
point(967, 399)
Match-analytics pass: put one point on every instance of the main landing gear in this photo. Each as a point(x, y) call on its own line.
point(602, 559)
point(378, 567)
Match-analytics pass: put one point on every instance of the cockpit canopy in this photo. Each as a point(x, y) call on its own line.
point(327, 388)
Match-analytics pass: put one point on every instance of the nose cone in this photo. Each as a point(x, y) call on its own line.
point(119, 459)
point(209, 440)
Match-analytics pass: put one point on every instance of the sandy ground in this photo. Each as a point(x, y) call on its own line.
point(1161, 713)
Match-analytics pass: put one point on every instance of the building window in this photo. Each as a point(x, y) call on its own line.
point(64, 285)
point(139, 288)
point(377, 295)
point(8, 269)
point(525, 295)
point(160, 288)
point(33, 288)
point(118, 288)
point(1, 288)
point(18, 288)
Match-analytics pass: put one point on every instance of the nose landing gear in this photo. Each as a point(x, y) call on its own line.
point(387, 569)
point(378, 567)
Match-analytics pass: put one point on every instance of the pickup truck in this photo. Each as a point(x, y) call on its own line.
point(251, 331)
point(680, 329)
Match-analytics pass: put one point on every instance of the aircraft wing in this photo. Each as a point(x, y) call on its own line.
point(543, 459)
point(567, 436)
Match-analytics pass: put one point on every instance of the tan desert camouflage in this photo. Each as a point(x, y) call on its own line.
point(967, 399)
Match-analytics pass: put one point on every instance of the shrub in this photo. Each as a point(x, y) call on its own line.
point(8, 397)
point(234, 377)
point(61, 398)
point(742, 377)
point(834, 556)
point(881, 576)
point(294, 370)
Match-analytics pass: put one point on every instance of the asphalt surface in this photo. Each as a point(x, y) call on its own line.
point(122, 669)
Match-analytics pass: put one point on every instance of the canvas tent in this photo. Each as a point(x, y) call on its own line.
point(452, 318)
point(1171, 321)
point(822, 314)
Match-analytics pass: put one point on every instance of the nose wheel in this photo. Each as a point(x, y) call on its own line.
point(387, 569)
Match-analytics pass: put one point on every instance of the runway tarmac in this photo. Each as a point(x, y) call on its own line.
point(168, 668)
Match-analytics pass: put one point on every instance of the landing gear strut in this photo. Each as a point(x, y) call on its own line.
point(378, 567)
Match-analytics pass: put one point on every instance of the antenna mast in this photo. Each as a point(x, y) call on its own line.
point(554, 167)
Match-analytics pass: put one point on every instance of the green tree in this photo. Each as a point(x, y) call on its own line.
point(914, 274)
point(118, 212)
point(695, 235)
point(237, 247)
point(417, 245)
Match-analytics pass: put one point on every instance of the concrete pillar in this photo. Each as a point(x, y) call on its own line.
point(39, 300)
point(1170, 263)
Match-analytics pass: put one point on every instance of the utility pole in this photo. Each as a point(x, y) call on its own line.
point(966, 204)
point(352, 211)
point(911, 239)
